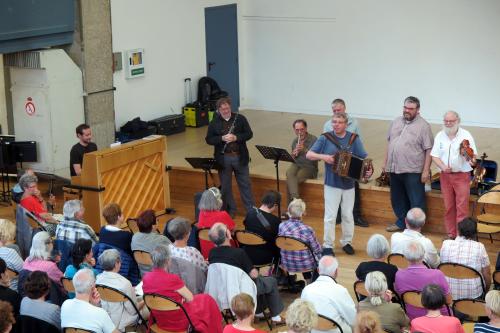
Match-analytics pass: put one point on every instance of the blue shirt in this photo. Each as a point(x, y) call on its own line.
point(325, 146)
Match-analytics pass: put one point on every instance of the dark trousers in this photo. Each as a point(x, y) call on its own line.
point(407, 192)
point(232, 164)
point(268, 295)
point(356, 211)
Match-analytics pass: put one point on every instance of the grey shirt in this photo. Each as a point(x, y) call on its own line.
point(301, 161)
point(148, 241)
point(48, 312)
point(408, 141)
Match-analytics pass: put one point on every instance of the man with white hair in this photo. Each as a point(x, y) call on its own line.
point(415, 220)
point(73, 227)
point(451, 157)
point(83, 311)
point(417, 276)
point(329, 298)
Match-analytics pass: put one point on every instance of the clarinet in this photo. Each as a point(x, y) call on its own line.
point(231, 129)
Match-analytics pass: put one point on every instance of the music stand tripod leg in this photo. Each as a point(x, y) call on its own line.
point(276, 165)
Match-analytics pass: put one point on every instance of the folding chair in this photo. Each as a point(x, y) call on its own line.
point(289, 243)
point(398, 260)
point(162, 303)
point(459, 271)
point(12, 274)
point(496, 277)
point(248, 238)
point(327, 324)
point(143, 258)
point(203, 234)
point(360, 290)
point(113, 295)
point(75, 330)
point(488, 223)
point(132, 225)
point(472, 308)
point(468, 327)
point(68, 284)
point(414, 298)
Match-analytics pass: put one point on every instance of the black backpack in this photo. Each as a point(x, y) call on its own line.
point(209, 90)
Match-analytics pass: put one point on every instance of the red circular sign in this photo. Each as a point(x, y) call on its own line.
point(29, 107)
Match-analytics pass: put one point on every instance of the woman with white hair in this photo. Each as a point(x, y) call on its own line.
point(492, 306)
point(211, 213)
point(38, 260)
point(377, 248)
point(301, 317)
point(202, 309)
point(299, 261)
point(392, 315)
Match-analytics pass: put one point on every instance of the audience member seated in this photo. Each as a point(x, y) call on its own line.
point(147, 238)
point(243, 307)
point(329, 298)
point(6, 293)
point(122, 314)
point(82, 257)
point(299, 261)
point(12, 258)
point(301, 317)
point(73, 227)
point(415, 220)
point(180, 229)
point(492, 307)
point(433, 299)
point(417, 276)
point(392, 316)
point(7, 317)
point(378, 249)
point(267, 228)
point(466, 251)
point(368, 322)
point(32, 199)
point(111, 233)
point(36, 288)
point(201, 308)
point(210, 213)
point(83, 311)
point(39, 258)
point(267, 287)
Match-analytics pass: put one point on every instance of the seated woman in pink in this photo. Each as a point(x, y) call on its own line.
point(433, 299)
point(38, 260)
point(202, 309)
point(210, 213)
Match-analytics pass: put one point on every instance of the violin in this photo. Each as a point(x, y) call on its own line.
point(479, 172)
point(466, 151)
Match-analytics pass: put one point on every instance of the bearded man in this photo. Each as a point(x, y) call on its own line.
point(408, 161)
point(455, 164)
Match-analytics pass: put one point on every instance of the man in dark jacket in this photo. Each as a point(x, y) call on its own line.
point(228, 133)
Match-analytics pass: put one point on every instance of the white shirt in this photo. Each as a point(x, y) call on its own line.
point(331, 300)
point(122, 314)
point(81, 314)
point(399, 241)
point(448, 151)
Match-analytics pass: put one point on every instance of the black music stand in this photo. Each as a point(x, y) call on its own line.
point(206, 164)
point(276, 154)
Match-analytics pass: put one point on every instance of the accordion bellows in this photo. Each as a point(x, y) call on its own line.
point(346, 164)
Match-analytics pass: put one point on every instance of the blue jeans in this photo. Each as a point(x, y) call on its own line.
point(407, 192)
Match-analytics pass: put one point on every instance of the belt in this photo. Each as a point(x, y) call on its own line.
point(232, 153)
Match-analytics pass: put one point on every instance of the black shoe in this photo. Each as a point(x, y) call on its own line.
point(348, 249)
point(360, 222)
point(327, 251)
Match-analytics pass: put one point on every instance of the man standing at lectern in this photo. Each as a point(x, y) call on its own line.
point(228, 133)
point(84, 135)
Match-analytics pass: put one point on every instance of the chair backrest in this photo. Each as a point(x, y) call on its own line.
point(132, 225)
point(163, 303)
point(12, 274)
point(24, 232)
point(327, 324)
point(468, 327)
point(288, 243)
point(249, 238)
point(360, 290)
point(470, 307)
point(143, 258)
point(496, 277)
point(28, 324)
point(75, 330)
point(490, 197)
point(398, 260)
point(192, 275)
point(113, 295)
point(68, 284)
point(459, 271)
point(414, 298)
point(203, 234)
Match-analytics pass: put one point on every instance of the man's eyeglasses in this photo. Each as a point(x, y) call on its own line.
point(409, 109)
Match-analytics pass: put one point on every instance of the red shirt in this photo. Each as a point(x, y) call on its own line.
point(33, 205)
point(206, 220)
point(231, 329)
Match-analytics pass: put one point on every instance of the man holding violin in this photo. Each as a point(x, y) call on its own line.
point(454, 152)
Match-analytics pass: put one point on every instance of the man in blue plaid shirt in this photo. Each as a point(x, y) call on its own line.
point(73, 227)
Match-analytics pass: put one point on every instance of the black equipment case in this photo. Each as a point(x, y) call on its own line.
point(170, 124)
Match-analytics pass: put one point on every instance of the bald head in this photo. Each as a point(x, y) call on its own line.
point(415, 219)
point(328, 265)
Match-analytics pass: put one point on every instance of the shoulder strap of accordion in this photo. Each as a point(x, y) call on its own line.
point(332, 139)
point(352, 138)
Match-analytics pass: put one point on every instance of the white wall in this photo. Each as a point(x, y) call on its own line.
point(172, 33)
point(3, 102)
point(299, 55)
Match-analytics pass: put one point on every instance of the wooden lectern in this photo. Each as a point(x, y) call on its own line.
point(131, 175)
